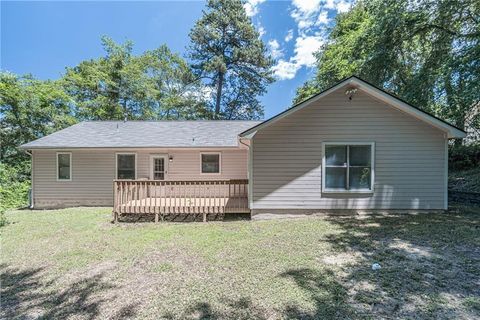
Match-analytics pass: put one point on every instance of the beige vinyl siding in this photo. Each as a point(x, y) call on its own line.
point(409, 157)
point(93, 172)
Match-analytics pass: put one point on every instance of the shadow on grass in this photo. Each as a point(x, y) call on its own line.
point(320, 287)
point(26, 294)
point(328, 295)
point(242, 308)
point(429, 263)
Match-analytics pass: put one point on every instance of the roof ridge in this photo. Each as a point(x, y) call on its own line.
point(202, 120)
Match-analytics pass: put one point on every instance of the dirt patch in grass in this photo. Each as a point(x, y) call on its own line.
point(71, 264)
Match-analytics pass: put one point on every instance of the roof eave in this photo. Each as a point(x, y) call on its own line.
point(23, 147)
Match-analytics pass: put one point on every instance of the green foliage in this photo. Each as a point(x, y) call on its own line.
point(426, 52)
point(227, 50)
point(464, 157)
point(14, 188)
point(176, 92)
point(29, 109)
point(157, 84)
point(111, 87)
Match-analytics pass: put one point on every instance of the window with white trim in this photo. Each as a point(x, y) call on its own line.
point(64, 166)
point(210, 162)
point(126, 166)
point(348, 167)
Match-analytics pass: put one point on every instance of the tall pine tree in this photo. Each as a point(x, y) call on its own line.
point(226, 51)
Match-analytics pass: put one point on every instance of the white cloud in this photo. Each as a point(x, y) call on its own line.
point(251, 7)
point(261, 30)
point(343, 6)
point(275, 50)
point(307, 6)
point(285, 70)
point(304, 19)
point(323, 18)
point(289, 35)
point(339, 5)
point(330, 4)
point(311, 17)
point(305, 47)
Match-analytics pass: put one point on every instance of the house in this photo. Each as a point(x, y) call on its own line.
point(351, 147)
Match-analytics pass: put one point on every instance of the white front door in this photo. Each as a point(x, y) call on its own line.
point(158, 168)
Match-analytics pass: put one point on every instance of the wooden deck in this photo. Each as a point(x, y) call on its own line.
point(164, 198)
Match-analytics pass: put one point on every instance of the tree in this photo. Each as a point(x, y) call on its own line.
point(177, 93)
point(29, 109)
point(111, 87)
point(157, 84)
point(227, 52)
point(426, 52)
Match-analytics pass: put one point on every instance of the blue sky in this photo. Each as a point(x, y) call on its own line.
point(42, 38)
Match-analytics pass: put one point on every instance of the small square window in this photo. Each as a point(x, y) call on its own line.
point(210, 162)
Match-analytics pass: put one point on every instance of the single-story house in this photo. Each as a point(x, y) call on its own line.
point(350, 147)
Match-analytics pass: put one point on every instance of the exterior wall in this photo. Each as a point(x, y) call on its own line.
point(410, 157)
point(93, 172)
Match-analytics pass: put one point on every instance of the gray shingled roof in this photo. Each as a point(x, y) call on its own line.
point(143, 134)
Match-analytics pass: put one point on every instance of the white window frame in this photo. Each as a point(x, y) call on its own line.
point(219, 164)
point(165, 164)
point(116, 164)
point(56, 167)
point(344, 143)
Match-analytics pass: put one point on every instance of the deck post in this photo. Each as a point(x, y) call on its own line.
point(156, 217)
point(204, 216)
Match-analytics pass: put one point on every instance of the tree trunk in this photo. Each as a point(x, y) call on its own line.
point(219, 94)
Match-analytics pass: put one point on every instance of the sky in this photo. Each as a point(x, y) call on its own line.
point(44, 37)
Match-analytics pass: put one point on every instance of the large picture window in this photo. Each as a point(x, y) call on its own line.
point(64, 166)
point(348, 167)
point(211, 162)
point(126, 166)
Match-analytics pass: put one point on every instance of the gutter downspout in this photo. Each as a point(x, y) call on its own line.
point(249, 173)
point(31, 193)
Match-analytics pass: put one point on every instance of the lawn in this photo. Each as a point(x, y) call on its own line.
point(74, 263)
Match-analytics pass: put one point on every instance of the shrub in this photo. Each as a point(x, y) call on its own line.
point(463, 157)
point(14, 188)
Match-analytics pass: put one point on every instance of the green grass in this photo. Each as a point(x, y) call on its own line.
point(75, 263)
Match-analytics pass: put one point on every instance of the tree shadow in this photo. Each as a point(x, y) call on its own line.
point(429, 263)
point(242, 308)
point(27, 294)
point(328, 295)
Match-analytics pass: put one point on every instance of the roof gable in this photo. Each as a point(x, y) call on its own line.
point(389, 99)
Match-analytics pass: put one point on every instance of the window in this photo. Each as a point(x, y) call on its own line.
point(210, 162)
point(348, 167)
point(64, 166)
point(126, 166)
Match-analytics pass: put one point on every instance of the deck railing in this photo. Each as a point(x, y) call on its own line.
point(179, 197)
